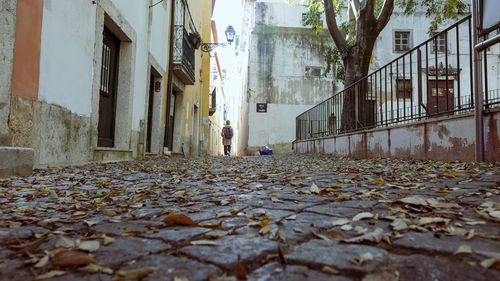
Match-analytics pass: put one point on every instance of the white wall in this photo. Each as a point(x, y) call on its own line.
point(67, 52)
point(274, 127)
point(136, 13)
point(159, 29)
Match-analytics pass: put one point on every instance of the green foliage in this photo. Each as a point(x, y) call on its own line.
point(333, 59)
point(439, 10)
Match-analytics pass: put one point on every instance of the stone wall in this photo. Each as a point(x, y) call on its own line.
point(7, 33)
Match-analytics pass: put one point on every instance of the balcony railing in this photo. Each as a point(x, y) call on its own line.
point(183, 56)
point(425, 82)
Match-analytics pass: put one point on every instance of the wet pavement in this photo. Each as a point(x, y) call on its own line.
point(281, 217)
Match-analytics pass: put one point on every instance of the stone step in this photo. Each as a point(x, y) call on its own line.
point(16, 161)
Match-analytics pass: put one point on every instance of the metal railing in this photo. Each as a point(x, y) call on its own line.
point(432, 79)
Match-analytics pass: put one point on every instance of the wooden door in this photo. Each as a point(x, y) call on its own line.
point(440, 99)
point(107, 97)
point(150, 113)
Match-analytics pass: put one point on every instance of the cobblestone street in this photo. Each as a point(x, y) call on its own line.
point(282, 217)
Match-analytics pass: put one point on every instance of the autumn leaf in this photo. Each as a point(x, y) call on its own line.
point(240, 272)
point(72, 258)
point(134, 274)
point(179, 219)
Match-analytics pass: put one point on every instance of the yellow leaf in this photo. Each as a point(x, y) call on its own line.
point(224, 214)
point(264, 230)
point(50, 274)
point(210, 224)
point(204, 242)
point(443, 191)
point(455, 174)
point(179, 219)
point(134, 274)
point(379, 181)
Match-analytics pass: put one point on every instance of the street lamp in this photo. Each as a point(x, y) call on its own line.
point(230, 33)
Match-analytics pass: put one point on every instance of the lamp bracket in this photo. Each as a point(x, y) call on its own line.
point(208, 47)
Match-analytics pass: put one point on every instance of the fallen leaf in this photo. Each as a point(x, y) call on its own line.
point(432, 220)
point(314, 188)
point(340, 222)
point(134, 274)
point(72, 258)
point(292, 217)
point(204, 242)
point(89, 222)
point(296, 229)
point(363, 215)
point(50, 274)
point(89, 246)
point(224, 214)
point(94, 268)
point(216, 233)
point(109, 213)
point(107, 240)
point(211, 224)
point(329, 270)
point(488, 263)
point(362, 259)
point(463, 249)
point(179, 219)
point(65, 242)
point(180, 278)
point(378, 181)
point(399, 225)
point(240, 272)
point(346, 227)
point(53, 194)
point(320, 235)
point(375, 236)
point(224, 202)
point(264, 230)
point(42, 262)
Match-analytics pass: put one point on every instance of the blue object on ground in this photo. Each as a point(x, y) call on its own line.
point(266, 152)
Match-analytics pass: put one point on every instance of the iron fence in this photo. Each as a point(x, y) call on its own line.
point(432, 79)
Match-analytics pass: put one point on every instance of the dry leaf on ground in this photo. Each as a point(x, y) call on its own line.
point(72, 258)
point(179, 219)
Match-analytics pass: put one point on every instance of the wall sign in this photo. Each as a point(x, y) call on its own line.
point(262, 107)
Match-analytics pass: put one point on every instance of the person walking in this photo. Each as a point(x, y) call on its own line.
point(227, 136)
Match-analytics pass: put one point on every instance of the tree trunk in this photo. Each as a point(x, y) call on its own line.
point(354, 112)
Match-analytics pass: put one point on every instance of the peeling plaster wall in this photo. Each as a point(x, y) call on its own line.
point(280, 51)
point(7, 33)
point(447, 139)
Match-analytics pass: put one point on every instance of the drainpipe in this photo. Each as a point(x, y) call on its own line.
point(478, 89)
point(169, 83)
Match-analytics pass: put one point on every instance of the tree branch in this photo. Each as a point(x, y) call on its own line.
point(385, 15)
point(331, 22)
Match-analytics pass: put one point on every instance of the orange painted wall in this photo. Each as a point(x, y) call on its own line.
point(26, 72)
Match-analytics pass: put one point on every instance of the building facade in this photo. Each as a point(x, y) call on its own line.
point(89, 81)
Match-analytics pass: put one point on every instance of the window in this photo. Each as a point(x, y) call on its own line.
point(402, 41)
point(441, 43)
point(404, 88)
point(313, 71)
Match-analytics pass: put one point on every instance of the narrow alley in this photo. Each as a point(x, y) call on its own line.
point(280, 217)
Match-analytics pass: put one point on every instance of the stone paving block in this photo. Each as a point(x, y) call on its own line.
point(14, 270)
point(82, 277)
point(334, 211)
point(445, 244)
point(116, 228)
point(16, 161)
point(419, 268)
point(169, 267)
point(276, 272)
point(225, 253)
point(318, 253)
point(176, 234)
point(128, 248)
